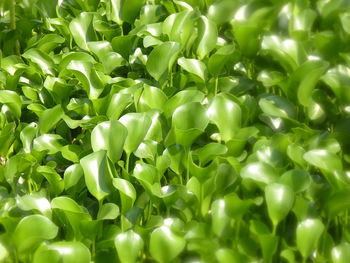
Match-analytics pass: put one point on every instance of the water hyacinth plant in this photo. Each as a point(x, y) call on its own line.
point(174, 131)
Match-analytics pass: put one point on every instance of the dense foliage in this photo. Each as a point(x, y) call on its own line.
point(174, 131)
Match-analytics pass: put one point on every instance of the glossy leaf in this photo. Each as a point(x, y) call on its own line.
point(137, 125)
point(161, 59)
point(12, 101)
point(298, 180)
point(207, 37)
point(279, 200)
point(260, 172)
point(127, 192)
point(97, 174)
point(88, 76)
point(52, 143)
point(32, 230)
point(49, 118)
point(108, 211)
point(308, 234)
point(340, 253)
point(103, 137)
point(165, 245)
point(105, 54)
point(323, 159)
point(196, 67)
point(226, 114)
point(82, 30)
point(129, 246)
point(66, 251)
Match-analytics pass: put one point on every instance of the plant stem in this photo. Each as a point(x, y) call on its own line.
point(188, 169)
point(127, 163)
point(13, 14)
point(171, 79)
point(216, 86)
point(13, 23)
point(274, 229)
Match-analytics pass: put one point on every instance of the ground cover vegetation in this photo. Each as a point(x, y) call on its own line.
point(174, 131)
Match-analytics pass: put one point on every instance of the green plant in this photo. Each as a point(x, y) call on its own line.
point(174, 131)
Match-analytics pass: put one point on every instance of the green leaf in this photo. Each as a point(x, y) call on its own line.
point(109, 59)
point(70, 215)
point(338, 80)
point(88, 76)
point(35, 201)
point(279, 200)
point(165, 245)
point(82, 30)
point(189, 121)
point(150, 98)
point(98, 174)
point(126, 10)
point(179, 27)
point(220, 220)
point(64, 251)
point(137, 125)
point(49, 118)
point(108, 211)
point(31, 231)
point(190, 115)
point(324, 159)
point(277, 106)
point(72, 176)
point(301, 24)
point(148, 177)
point(129, 246)
point(298, 180)
point(226, 114)
point(222, 11)
point(56, 183)
point(207, 37)
point(308, 234)
point(127, 193)
point(308, 75)
point(13, 101)
point(341, 253)
point(218, 60)
point(193, 66)
point(260, 172)
point(117, 105)
point(345, 21)
point(42, 60)
point(109, 136)
point(181, 98)
point(337, 203)
point(52, 143)
point(287, 52)
point(124, 45)
point(72, 152)
point(161, 59)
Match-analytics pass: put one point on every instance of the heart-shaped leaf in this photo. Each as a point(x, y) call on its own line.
point(82, 30)
point(194, 66)
point(129, 246)
point(31, 231)
point(226, 114)
point(308, 234)
point(97, 174)
point(137, 125)
point(165, 245)
point(64, 251)
point(162, 58)
point(279, 200)
point(109, 136)
point(341, 253)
